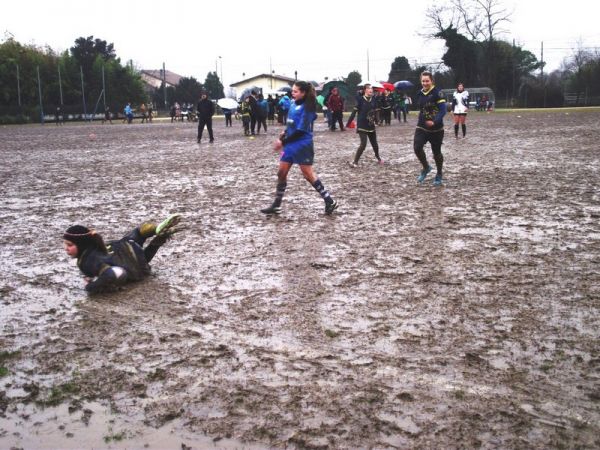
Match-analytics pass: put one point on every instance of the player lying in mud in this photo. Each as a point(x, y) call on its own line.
point(108, 266)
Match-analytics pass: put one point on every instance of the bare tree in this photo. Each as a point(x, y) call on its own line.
point(481, 20)
point(576, 64)
point(494, 15)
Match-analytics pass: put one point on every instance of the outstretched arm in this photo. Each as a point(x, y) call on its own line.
point(108, 280)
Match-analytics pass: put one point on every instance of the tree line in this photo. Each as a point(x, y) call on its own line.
point(477, 57)
point(84, 79)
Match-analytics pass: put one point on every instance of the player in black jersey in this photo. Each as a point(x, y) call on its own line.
point(431, 104)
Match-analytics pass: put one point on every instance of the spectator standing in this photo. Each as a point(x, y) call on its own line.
point(206, 109)
point(335, 104)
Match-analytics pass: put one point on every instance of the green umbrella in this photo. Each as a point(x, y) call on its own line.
point(342, 87)
point(320, 99)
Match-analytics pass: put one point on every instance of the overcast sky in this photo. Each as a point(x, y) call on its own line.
point(317, 38)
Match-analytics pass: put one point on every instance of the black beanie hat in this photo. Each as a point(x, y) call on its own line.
point(81, 236)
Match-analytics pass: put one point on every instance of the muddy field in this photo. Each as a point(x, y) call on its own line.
point(454, 317)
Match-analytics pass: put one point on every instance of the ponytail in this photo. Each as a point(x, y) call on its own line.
point(310, 96)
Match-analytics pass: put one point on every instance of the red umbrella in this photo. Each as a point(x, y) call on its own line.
point(388, 86)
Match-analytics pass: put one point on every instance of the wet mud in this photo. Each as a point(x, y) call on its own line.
point(458, 316)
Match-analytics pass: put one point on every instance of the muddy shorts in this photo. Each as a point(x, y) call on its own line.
point(298, 153)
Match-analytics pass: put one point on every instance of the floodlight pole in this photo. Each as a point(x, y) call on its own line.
point(60, 85)
point(165, 84)
point(40, 93)
point(18, 86)
point(83, 94)
point(103, 89)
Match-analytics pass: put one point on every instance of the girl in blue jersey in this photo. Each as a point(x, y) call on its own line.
point(297, 145)
point(431, 104)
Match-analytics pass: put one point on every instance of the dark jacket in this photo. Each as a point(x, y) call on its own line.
point(206, 108)
point(125, 261)
point(365, 112)
point(254, 107)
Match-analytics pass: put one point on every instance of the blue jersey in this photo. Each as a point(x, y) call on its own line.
point(299, 123)
point(299, 119)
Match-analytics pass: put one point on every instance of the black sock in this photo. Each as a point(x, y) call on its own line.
point(279, 193)
point(322, 191)
point(464, 129)
point(456, 130)
point(439, 162)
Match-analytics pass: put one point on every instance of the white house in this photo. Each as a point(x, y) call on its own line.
point(268, 83)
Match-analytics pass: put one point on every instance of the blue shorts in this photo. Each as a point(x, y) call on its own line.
point(302, 153)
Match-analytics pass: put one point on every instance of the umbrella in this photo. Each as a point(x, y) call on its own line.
point(374, 84)
point(286, 89)
point(246, 92)
point(320, 99)
point(227, 103)
point(403, 84)
point(387, 86)
point(342, 87)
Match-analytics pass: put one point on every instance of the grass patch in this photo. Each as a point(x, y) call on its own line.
point(115, 437)
point(459, 394)
point(548, 110)
point(5, 356)
point(60, 393)
point(332, 333)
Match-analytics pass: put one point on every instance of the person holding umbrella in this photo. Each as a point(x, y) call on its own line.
point(206, 109)
point(297, 147)
point(431, 104)
point(365, 110)
point(335, 103)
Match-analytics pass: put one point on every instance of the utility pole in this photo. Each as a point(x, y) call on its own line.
point(18, 86)
point(40, 93)
point(103, 89)
point(164, 74)
point(542, 69)
point(514, 80)
point(221, 61)
point(60, 86)
point(83, 94)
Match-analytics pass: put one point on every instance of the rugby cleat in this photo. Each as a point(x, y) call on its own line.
point(147, 229)
point(273, 209)
point(330, 207)
point(166, 225)
point(353, 164)
point(438, 180)
point(424, 174)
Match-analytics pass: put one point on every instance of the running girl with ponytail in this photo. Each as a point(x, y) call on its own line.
point(296, 147)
